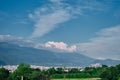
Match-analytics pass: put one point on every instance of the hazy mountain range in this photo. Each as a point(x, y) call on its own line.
point(13, 54)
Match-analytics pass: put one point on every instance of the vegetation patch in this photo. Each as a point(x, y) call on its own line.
point(25, 72)
point(78, 79)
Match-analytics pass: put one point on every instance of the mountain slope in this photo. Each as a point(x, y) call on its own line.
point(107, 62)
point(14, 54)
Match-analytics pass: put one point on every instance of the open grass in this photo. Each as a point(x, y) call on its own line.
point(78, 79)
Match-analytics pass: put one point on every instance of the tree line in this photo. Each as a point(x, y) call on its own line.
point(25, 72)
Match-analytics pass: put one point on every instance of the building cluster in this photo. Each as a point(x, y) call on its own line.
point(96, 65)
point(12, 68)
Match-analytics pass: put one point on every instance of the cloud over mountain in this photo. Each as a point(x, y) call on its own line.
point(105, 45)
point(51, 45)
point(16, 40)
point(60, 46)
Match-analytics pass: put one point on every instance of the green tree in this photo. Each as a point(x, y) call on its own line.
point(105, 75)
point(14, 76)
point(111, 73)
point(4, 74)
point(35, 75)
point(51, 71)
point(59, 70)
point(74, 70)
point(23, 71)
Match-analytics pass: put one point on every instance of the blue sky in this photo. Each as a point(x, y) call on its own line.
point(76, 25)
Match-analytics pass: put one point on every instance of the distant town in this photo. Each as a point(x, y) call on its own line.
point(12, 68)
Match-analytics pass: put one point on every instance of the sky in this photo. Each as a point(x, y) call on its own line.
point(88, 27)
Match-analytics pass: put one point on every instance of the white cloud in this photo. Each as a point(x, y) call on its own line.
point(105, 45)
point(16, 40)
point(50, 45)
point(61, 46)
point(9, 38)
point(56, 1)
point(49, 22)
point(50, 15)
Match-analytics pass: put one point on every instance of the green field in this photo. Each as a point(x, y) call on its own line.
point(78, 79)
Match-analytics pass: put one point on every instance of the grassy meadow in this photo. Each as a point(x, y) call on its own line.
point(78, 79)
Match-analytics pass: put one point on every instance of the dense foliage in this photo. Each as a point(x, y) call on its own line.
point(88, 72)
point(111, 73)
point(26, 73)
point(4, 74)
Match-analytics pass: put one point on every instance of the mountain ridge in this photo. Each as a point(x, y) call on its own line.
point(14, 54)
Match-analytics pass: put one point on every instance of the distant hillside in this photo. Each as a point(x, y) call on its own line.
point(107, 62)
point(2, 63)
point(14, 54)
